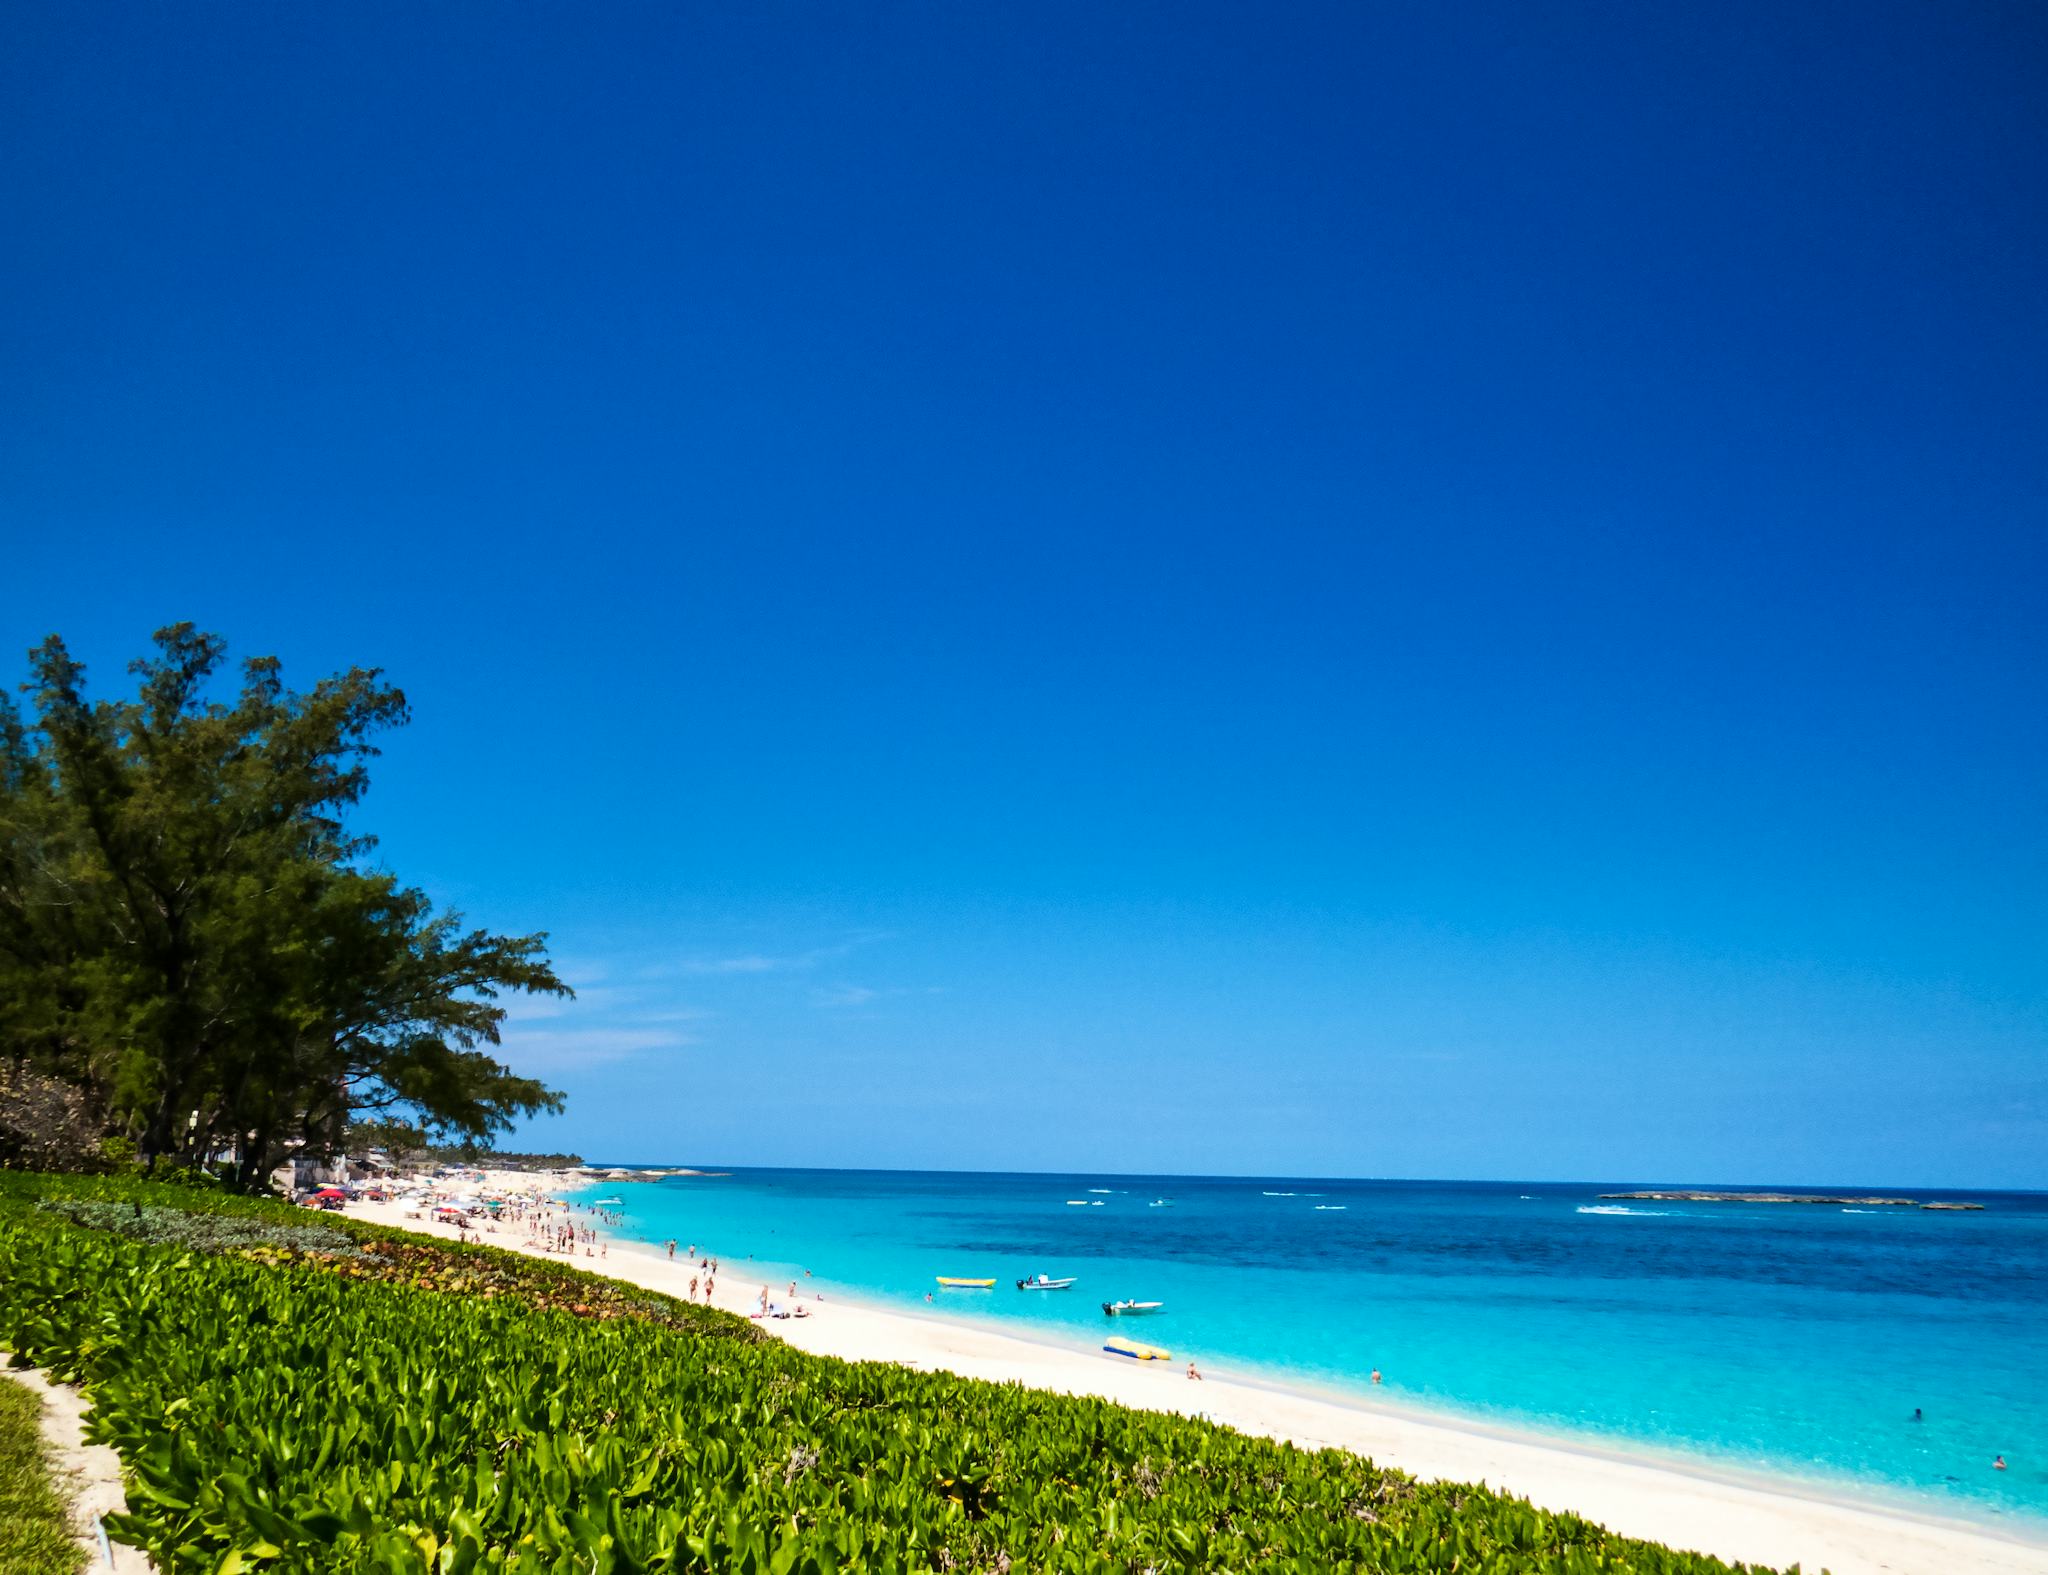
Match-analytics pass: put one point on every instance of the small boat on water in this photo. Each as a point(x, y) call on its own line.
point(954, 1283)
point(1137, 1350)
point(1121, 1309)
point(1045, 1282)
point(1160, 1203)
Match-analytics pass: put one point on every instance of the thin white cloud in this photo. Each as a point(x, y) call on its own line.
point(570, 1049)
point(848, 995)
point(865, 994)
point(544, 1008)
point(764, 962)
point(753, 964)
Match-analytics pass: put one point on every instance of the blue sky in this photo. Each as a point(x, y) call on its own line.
point(1409, 590)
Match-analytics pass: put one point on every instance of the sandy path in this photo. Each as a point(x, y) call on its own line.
point(1752, 1521)
point(89, 1474)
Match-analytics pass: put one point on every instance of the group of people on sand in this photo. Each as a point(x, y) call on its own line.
point(711, 1268)
point(566, 1237)
point(797, 1309)
point(707, 1279)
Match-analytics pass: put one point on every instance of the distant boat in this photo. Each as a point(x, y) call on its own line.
point(1101, 1189)
point(1118, 1309)
point(1160, 1203)
point(953, 1283)
point(1077, 1203)
point(616, 1203)
point(1331, 1208)
point(1045, 1282)
point(1095, 1203)
point(1137, 1350)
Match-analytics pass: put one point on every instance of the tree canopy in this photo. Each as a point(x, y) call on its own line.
point(190, 933)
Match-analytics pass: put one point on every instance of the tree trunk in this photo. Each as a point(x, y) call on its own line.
point(252, 1160)
point(156, 1134)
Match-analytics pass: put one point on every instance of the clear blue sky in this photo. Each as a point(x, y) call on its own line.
point(1388, 590)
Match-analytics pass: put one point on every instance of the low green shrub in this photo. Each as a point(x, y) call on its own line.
point(301, 1416)
point(185, 1190)
point(270, 1225)
point(204, 1232)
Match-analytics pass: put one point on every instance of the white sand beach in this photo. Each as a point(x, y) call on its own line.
point(1746, 1520)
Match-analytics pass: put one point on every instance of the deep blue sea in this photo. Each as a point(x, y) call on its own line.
point(1787, 1339)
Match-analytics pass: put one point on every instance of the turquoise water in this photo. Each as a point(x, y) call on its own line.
point(1788, 1339)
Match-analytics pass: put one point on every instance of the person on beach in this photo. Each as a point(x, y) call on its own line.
point(764, 1301)
point(1193, 1374)
point(671, 1251)
point(1375, 1375)
point(792, 1290)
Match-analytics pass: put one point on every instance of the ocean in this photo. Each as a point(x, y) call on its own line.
point(1793, 1340)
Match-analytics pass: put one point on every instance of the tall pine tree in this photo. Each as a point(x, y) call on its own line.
point(189, 931)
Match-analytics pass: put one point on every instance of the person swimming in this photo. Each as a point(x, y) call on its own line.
point(1998, 1462)
point(1917, 1416)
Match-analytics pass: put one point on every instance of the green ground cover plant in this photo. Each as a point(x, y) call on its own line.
point(269, 1229)
point(283, 1412)
point(35, 1536)
point(206, 1232)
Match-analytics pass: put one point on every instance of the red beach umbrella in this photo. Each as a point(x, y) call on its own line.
point(330, 1192)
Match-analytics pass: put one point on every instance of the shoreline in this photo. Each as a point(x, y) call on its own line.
point(1729, 1514)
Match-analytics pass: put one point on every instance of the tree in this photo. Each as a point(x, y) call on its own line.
point(188, 930)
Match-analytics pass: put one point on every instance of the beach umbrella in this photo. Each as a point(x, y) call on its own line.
point(330, 1192)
